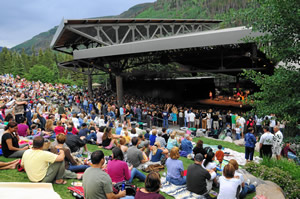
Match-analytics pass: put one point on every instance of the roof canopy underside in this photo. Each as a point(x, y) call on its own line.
point(94, 33)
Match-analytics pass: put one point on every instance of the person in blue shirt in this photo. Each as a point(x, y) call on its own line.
point(85, 104)
point(153, 137)
point(186, 146)
point(84, 131)
point(110, 117)
point(250, 142)
point(91, 106)
point(147, 134)
point(165, 115)
point(119, 129)
point(158, 152)
point(122, 113)
point(175, 169)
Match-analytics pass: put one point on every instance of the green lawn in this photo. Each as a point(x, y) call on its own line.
point(15, 176)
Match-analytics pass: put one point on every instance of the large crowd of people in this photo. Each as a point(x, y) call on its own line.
point(69, 116)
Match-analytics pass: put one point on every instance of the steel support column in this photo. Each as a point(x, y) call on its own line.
point(90, 85)
point(119, 88)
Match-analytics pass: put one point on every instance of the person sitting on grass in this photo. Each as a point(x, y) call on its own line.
point(97, 183)
point(122, 145)
point(9, 165)
point(152, 186)
point(172, 141)
point(152, 137)
point(134, 155)
point(199, 148)
point(74, 142)
point(209, 164)
point(186, 146)
point(197, 176)
point(228, 183)
point(175, 170)
point(59, 128)
point(118, 169)
point(43, 166)
point(158, 152)
point(147, 134)
point(289, 153)
point(220, 155)
point(10, 142)
point(246, 186)
point(119, 129)
point(127, 137)
point(160, 139)
point(70, 163)
point(109, 139)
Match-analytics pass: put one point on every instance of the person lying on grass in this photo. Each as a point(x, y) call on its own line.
point(9, 165)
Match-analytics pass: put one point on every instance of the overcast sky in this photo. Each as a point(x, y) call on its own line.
point(20, 20)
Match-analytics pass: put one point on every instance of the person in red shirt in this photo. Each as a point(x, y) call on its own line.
point(74, 130)
point(220, 155)
point(59, 129)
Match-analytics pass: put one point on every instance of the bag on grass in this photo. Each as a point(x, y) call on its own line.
point(154, 167)
point(19, 167)
point(130, 188)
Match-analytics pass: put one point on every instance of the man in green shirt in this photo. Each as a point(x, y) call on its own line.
point(97, 183)
point(233, 120)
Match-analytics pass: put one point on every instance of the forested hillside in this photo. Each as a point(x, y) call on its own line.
point(192, 9)
point(43, 40)
point(196, 9)
point(34, 60)
point(40, 65)
point(40, 41)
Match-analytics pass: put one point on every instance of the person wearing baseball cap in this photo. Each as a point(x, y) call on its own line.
point(197, 175)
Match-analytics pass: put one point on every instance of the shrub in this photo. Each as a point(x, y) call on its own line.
point(278, 176)
point(285, 165)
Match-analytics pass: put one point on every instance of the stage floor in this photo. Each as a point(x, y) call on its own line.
point(227, 103)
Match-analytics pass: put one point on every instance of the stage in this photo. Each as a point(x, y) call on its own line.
point(224, 103)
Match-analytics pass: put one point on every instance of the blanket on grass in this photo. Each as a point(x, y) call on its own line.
point(27, 190)
point(181, 192)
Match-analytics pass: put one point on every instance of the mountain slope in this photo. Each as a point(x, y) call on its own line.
point(189, 9)
point(40, 41)
point(43, 40)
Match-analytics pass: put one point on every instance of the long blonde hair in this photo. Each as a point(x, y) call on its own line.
point(49, 125)
point(155, 147)
point(35, 116)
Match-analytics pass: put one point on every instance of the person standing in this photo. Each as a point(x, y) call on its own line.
point(277, 140)
point(180, 118)
point(19, 108)
point(250, 142)
point(192, 119)
point(266, 142)
point(165, 119)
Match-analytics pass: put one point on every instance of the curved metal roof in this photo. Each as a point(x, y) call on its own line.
point(90, 33)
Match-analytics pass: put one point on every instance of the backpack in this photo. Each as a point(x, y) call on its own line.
point(130, 188)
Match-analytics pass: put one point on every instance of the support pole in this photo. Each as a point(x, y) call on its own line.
point(90, 85)
point(119, 88)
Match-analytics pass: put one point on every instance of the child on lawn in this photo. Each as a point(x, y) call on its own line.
point(220, 155)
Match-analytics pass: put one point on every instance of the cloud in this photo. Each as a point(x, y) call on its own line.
point(23, 19)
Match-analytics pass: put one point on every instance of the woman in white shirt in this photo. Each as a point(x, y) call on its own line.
point(209, 164)
point(228, 183)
